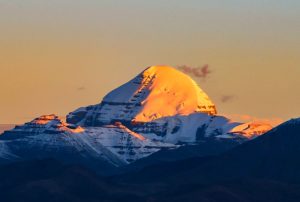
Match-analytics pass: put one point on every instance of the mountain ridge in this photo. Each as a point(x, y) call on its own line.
point(152, 112)
point(270, 156)
point(206, 179)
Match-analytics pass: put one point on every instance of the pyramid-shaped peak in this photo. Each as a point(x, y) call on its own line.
point(158, 91)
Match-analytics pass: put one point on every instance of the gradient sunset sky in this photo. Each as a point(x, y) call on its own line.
point(58, 55)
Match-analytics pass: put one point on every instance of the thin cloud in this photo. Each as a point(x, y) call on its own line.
point(81, 88)
point(227, 98)
point(199, 72)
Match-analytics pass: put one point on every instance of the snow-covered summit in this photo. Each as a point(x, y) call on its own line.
point(157, 92)
point(160, 109)
point(162, 91)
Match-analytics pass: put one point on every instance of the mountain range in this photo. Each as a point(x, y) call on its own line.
point(158, 137)
point(160, 110)
point(264, 169)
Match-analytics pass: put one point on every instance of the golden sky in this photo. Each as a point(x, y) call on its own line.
point(58, 55)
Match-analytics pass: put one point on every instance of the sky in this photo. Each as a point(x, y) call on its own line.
point(58, 55)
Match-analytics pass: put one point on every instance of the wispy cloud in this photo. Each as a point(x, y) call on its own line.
point(81, 88)
point(199, 71)
point(227, 98)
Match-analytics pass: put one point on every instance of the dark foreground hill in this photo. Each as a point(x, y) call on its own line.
point(49, 180)
point(265, 169)
point(275, 156)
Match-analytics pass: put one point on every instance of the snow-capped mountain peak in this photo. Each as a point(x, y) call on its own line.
point(55, 122)
point(161, 108)
point(157, 92)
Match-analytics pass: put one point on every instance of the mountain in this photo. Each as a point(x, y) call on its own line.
point(158, 106)
point(160, 110)
point(159, 91)
point(102, 148)
point(272, 156)
point(201, 149)
point(263, 169)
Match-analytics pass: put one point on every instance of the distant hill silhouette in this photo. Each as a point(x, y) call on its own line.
point(264, 169)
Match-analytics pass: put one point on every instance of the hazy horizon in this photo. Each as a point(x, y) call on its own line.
point(56, 56)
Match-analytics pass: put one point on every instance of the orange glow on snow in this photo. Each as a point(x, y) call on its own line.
point(120, 125)
point(79, 129)
point(45, 119)
point(171, 92)
point(247, 118)
point(252, 129)
point(65, 127)
point(253, 126)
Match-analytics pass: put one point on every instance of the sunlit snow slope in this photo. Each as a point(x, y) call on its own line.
point(161, 108)
point(159, 91)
